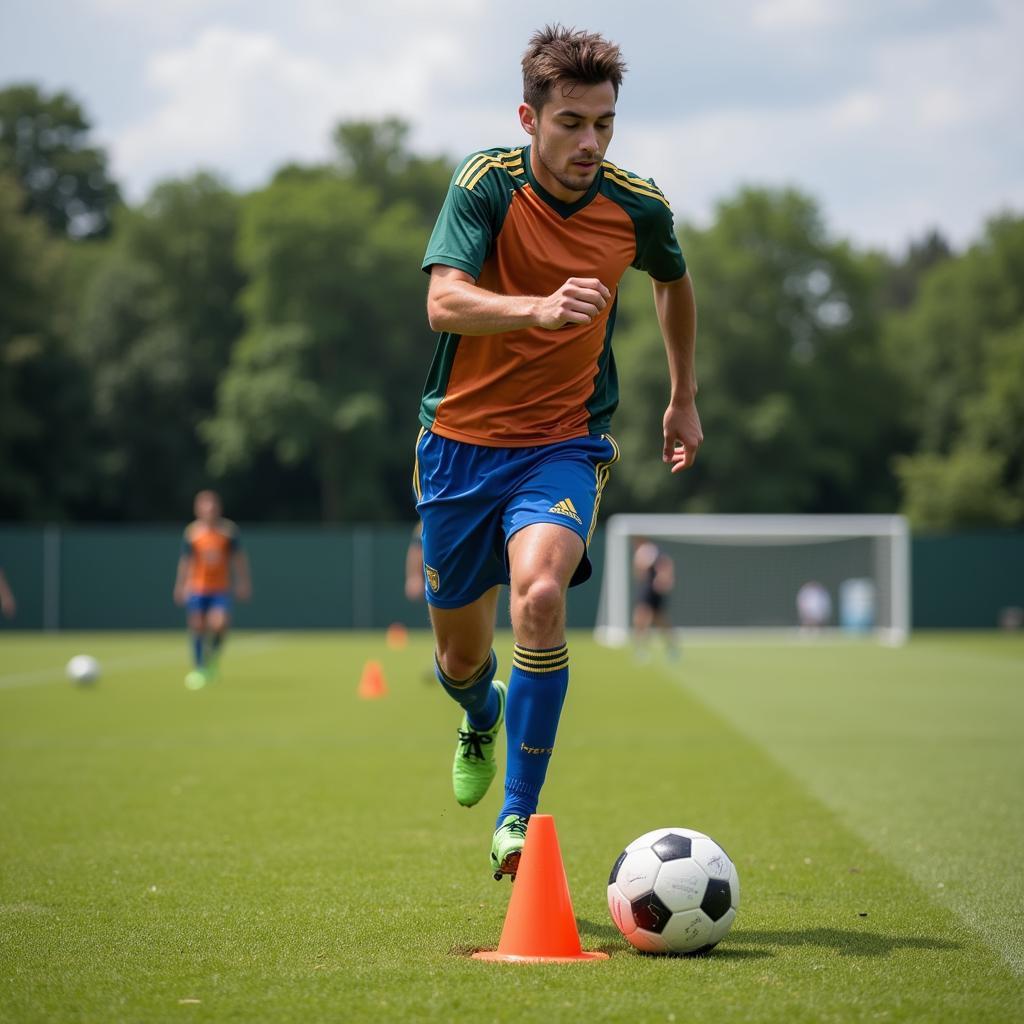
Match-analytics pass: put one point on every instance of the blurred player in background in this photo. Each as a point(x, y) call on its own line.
point(414, 583)
point(525, 261)
point(211, 559)
point(8, 606)
point(813, 606)
point(655, 576)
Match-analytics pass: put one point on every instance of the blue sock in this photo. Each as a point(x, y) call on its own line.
point(475, 695)
point(536, 692)
point(197, 649)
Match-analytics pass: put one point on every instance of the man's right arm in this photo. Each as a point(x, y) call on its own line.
point(458, 305)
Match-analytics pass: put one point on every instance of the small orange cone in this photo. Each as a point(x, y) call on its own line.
point(396, 636)
point(371, 683)
point(540, 926)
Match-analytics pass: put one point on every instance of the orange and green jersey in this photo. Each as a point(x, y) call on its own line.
point(499, 225)
point(209, 550)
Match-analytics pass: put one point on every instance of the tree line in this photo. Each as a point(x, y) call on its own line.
point(273, 345)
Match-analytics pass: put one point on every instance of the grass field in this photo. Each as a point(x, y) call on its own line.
point(274, 849)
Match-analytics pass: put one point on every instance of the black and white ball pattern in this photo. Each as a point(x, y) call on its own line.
point(674, 890)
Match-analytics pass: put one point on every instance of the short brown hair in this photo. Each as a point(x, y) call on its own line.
point(557, 53)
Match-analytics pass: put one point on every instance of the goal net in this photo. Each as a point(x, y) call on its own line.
point(745, 573)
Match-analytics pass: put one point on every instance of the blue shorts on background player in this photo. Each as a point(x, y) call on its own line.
point(205, 602)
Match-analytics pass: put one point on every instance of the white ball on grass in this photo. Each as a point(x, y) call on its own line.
point(83, 669)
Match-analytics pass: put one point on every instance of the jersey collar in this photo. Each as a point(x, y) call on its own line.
point(563, 209)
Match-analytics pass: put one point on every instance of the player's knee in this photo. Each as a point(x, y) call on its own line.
point(460, 663)
point(540, 601)
point(195, 622)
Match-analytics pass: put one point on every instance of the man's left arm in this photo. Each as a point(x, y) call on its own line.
point(677, 316)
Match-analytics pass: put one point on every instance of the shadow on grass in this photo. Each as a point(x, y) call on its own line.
point(615, 943)
point(845, 941)
point(593, 930)
point(745, 944)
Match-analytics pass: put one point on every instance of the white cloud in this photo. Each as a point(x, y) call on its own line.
point(796, 15)
point(242, 102)
point(919, 141)
point(894, 127)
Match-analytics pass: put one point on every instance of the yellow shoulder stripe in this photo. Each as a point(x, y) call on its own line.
point(631, 178)
point(479, 165)
point(633, 184)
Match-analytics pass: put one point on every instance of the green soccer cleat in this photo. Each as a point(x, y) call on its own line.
point(474, 769)
point(196, 679)
point(507, 846)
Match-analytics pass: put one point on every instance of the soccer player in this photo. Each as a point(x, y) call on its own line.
point(813, 606)
point(8, 606)
point(524, 263)
point(655, 575)
point(211, 555)
point(414, 585)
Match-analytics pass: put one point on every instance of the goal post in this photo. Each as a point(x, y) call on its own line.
point(742, 572)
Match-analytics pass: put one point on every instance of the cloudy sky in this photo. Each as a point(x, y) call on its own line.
point(898, 115)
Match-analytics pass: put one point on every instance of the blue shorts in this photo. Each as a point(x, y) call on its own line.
point(205, 602)
point(471, 500)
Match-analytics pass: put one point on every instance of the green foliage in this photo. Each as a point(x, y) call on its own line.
point(330, 367)
point(903, 276)
point(42, 392)
point(959, 351)
point(274, 345)
point(43, 143)
point(794, 398)
point(156, 326)
point(963, 488)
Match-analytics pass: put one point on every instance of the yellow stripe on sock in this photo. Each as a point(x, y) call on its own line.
point(532, 655)
point(540, 661)
point(540, 669)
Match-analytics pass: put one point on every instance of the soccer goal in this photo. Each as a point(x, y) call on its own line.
point(736, 572)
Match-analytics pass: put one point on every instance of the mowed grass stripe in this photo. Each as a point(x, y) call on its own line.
point(156, 651)
point(279, 850)
point(920, 750)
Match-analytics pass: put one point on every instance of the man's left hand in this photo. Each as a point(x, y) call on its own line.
point(683, 436)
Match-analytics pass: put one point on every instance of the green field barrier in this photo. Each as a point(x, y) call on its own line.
point(352, 577)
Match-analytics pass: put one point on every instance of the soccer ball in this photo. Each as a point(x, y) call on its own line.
point(83, 669)
point(673, 890)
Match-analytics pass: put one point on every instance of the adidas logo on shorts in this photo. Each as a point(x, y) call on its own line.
point(565, 507)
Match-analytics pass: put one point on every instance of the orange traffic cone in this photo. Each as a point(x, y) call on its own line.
point(396, 636)
point(371, 683)
point(540, 926)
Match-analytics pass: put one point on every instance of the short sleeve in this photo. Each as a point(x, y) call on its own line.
point(658, 252)
point(464, 231)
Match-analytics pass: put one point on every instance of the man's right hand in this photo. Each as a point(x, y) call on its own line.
point(578, 301)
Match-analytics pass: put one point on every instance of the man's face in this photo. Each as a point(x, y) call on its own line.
point(207, 507)
point(572, 132)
